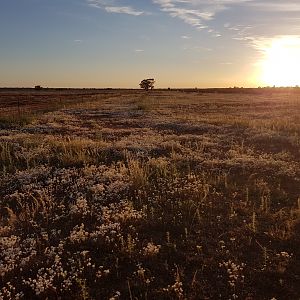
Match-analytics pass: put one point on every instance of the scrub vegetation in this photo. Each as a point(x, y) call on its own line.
point(126, 194)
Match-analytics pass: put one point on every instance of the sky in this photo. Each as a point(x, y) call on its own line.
point(180, 43)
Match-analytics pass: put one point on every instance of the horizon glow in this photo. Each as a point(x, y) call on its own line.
point(117, 43)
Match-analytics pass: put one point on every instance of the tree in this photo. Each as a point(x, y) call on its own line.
point(147, 84)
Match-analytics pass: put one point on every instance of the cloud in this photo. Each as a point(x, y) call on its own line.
point(184, 11)
point(139, 50)
point(110, 7)
point(197, 49)
point(195, 12)
point(279, 6)
point(203, 14)
point(123, 10)
point(263, 44)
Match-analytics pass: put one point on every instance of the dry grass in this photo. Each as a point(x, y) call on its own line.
point(166, 194)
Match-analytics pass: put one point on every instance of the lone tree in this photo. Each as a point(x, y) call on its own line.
point(147, 84)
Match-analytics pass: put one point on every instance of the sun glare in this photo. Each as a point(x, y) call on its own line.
point(281, 63)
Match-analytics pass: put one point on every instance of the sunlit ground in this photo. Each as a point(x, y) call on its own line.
point(281, 63)
point(122, 194)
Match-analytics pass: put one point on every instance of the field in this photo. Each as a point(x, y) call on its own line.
point(126, 194)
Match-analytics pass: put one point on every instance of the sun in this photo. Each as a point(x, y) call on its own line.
point(281, 63)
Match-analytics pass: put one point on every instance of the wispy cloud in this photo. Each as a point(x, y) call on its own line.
point(280, 6)
point(139, 50)
point(195, 12)
point(197, 49)
point(263, 43)
point(203, 14)
point(123, 10)
point(111, 7)
point(185, 37)
point(183, 10)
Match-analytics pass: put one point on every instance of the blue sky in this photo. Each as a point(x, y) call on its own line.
point(116, 43)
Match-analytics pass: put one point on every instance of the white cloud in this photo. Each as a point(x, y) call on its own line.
point(264, 43)
point(183, 10)
point(195, 12)
point(110, 7)
point(201, 13)
point(283, 6)
point(139, 50)
point(197, 49)
point(123, 10)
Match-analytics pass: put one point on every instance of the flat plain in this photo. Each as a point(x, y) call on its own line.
point(127, 194)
